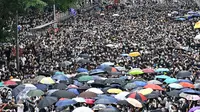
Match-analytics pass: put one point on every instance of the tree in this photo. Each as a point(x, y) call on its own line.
point(9, 9)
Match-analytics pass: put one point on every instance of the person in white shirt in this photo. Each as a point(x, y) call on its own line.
point(20, 106)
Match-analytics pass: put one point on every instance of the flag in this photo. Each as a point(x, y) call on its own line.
point(73, 11)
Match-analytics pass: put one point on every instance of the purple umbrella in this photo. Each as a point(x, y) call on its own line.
point(194, 108)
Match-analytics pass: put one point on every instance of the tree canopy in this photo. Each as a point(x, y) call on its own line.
point(9, 8)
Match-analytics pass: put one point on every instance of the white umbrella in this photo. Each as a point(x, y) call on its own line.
point(115, 15)
point(16, 80)
point(95, 90)
point(108, 63)
point(110, 45)
point(197, 37)
point(122, 95)
point(82, 109)
point(79, 99)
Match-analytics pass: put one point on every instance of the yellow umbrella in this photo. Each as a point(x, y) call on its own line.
point(134, 54)
point(134, 102)
point(197, 25)
point(146, 91)
point(47, 80)
point(114, 91)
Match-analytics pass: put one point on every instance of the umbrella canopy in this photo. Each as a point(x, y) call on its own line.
point(47, 101)
point(81, 70)
point(85, 78)
point(170, 80)
point(154, 87)
point(134, 54)
point(140, 83)
point(1, 84)
point(95, 90)
point(154, 82)
point(10, 83)
point(59, 77)
point(197, 25)
point(63, 94)
point(99, 107)
point(183, 74)
point(174, 93)
point(47, 80)
point(83, 109)
point(73, 90)
point(137, 96)
point(152, 95)
point(42, 87)
point(88, 94)
point(114, 91)
point(66, 102)
point(162, 70)
point(197, 37)
point(110, 109)
point(134, 102)
point(104, 101)
point(122, 95)
point(135, 72)
point(79, 99)
point(162, 77)
point(148, 70)
point(175, 86)
point(120, 68)
point(65, 64)
point(190, 96)
point(39, 78)
point(96, 71)
point(130, 86)
point(36, 92)
point(145, 91)
point(108, 63)
point(89, 101)
point(194, 109)
point(186, 85)
point(60, 86)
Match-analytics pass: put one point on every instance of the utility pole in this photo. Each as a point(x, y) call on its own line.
point(54, 14)
point(17, 40)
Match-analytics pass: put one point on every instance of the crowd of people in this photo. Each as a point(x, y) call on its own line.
point(90, 61)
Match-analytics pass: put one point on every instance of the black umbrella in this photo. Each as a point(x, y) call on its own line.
point(109, 110)
point(153, 95)
point(63, 94)
point(183, 74)
point(60, 86)
point(83, 61)
point(84, 56)
point(47, 101)
point(123, 102)
point(98, 83)
point(174, 93)
point(115, 81)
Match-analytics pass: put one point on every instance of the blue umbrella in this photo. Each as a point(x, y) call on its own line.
point(103, 67)
point(75, 91)
point(59, 77)
point(81, 70)
point(162, 70)
point(184, 80)
point(96, 71)
point(180, 19)
point(170, 80)
point(77, 83)
point(58, 73)
point(104, 101)
point(42, 87)
point(110, 98)
point(140, 83)
point(190, 91)
point(162, 77)
point(66, 102)
point(124, 55)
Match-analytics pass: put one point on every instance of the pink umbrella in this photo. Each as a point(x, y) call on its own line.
point(148, 70)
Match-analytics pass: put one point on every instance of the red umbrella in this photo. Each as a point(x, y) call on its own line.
point(154, 87)
point(137, 96)
point(89, 101)
point(148, 70)
point(186, 85)
point(10, 83)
